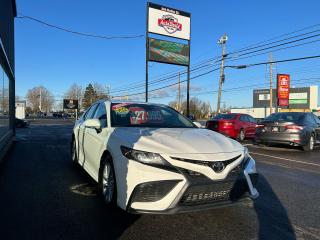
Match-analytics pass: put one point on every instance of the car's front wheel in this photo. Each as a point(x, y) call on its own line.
point(74, 157)
point(310, 145)
point(107, 182)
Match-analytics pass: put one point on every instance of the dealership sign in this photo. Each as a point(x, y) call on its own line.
point(283, 89)
point(70, 104)
point(169, 22)
point(168, 52)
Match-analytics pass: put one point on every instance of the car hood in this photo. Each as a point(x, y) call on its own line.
point(176, 140)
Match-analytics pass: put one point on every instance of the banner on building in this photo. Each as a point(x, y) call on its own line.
point(283, 89)
point(169, 22)
point(168, 52)
point(70, 104)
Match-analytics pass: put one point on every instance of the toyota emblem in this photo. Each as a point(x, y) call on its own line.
point(218, 167)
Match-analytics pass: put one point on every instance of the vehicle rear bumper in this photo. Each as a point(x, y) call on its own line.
point(282, 138)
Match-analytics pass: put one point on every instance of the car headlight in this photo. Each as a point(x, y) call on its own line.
point(143, 157)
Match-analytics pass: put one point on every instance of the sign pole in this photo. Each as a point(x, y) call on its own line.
point(147, 52)
point(188, 83)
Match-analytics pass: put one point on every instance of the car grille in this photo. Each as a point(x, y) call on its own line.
point(214, 192)
point(205, 163)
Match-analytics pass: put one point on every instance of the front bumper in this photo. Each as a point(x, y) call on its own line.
point(186, 191)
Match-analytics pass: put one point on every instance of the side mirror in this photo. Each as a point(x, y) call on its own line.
point(197, 124)
point(93, 123)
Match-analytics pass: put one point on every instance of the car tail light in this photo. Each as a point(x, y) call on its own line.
point(228, 123)
point(293, 127)
point(259, 126)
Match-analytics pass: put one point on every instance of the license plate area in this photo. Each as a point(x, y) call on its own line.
point(275, 129)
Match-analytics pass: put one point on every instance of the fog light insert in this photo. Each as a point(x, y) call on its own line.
point(152, 191)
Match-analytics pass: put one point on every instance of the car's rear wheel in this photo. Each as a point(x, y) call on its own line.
point(107, 182)
point(310, 145)
point(241, 135)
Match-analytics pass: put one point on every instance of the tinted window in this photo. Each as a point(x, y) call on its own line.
point(147, 115)
point(244, 118)
point(309, 119)
point(101, 115)
point(316, 119)
point(225, 116)
point(90, 112)
point(285, 117)
point(252, 120)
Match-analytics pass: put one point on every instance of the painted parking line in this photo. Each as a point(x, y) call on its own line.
point(286, 159)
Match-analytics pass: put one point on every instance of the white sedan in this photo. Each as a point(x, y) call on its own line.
point(148, 158)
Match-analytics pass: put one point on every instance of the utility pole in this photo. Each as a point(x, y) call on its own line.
point(40, 101)
point(271, 80)
point(179, 93)
point(222, 41)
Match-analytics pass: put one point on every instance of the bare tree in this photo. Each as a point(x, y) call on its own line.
point(74, 92)
point(198, 108)
point(40, 99)
point(101, 91)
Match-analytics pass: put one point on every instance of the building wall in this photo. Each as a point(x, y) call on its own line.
point(7, 79)
point(299, 98)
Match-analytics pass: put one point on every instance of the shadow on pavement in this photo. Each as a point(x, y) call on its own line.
point(274, 222)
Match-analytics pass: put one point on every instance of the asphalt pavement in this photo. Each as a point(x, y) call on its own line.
point(43, 196)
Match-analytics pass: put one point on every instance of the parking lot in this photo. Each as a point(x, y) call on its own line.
point(44, 197)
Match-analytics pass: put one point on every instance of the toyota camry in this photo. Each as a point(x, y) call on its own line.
point(148, 158)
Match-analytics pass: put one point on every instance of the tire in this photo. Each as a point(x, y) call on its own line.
point(310, 145)
point(74, 156)
point(241, 135)
point(107, 182)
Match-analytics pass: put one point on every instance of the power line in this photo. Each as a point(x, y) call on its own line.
point(21, 16)
point(278, 61)
point(207, 64)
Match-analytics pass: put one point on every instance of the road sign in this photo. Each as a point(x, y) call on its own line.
point(283, 89)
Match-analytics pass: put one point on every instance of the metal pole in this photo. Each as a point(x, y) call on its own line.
point(223, 44)
point(179, 94)
point(147, 52)
point(271, 78)
point(188, 82)
point(40, 101)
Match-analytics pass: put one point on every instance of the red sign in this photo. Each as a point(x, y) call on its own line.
point(283, 88)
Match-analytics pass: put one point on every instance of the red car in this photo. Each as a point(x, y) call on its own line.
point(234, 125)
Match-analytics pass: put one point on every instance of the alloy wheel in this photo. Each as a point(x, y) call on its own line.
point(108, 183)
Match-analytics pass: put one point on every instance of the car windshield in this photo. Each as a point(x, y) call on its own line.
point(224, 116)
point(147, 115)
point(285, 117)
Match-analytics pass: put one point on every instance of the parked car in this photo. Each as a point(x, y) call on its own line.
point(293, 128)
point(235, 125)
point(21, 123)
point(148, 158)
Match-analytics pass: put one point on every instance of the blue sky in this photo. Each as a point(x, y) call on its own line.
point(56, 59)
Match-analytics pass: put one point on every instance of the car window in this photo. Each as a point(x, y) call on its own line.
point(101, 115)
point(252, 120)
point(316, 119)
point(147, 115)
point(90, 112)
point(225, 116)
point(295, 117)
point(309, 119)
point(244, 118)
